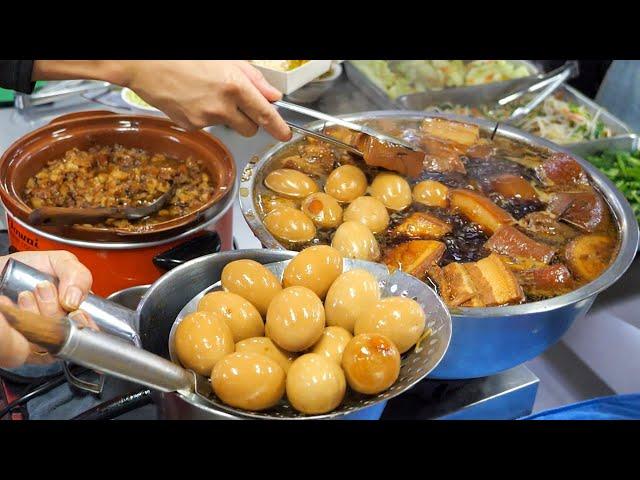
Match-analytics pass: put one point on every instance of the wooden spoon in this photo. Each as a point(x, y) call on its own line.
point(63, 216)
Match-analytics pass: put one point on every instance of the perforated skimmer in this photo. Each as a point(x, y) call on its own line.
point(120, 358)
point(415, 364)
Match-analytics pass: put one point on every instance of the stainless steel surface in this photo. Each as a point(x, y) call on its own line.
point(116, 357)
point(617, 126)
point(129, 297)
point(486, 341)
point(490, 90)
point(346, 124)
point(497, 93)
point(505, 396)
point(110, 317)
point(56, 91)
point(416, 364)
point(470, 97)
point(554, 83)
point(568, 70)
point(83, 385)
point(629, 142)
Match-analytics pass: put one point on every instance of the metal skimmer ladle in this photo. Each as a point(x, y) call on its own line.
point(63, 216)
point(117, 357)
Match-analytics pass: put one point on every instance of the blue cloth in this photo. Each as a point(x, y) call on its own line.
point(620, 92)
point(618, 407)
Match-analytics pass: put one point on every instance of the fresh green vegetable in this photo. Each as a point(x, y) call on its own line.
point(623, 169)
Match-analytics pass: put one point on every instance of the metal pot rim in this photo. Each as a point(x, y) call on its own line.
point(626, 221)
point(223, 207)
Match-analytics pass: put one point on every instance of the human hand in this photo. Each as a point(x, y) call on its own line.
point(197, 94)
point(74, 284)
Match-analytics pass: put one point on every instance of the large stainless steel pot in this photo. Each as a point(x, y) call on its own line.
point(154, 316)
point(486, 341)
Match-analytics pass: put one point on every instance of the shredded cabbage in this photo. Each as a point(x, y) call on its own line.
point(554, 119)
point(402, 77)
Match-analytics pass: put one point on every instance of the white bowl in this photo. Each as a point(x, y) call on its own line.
point(130, 98)
point(312, 91)
point(290, 81)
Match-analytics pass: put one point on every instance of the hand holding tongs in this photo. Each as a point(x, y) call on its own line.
point(343, 123)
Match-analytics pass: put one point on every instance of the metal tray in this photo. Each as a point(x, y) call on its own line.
point(617, 126)
point(629, 142)
point(381, 99)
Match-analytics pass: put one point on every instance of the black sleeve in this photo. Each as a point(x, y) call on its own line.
point(16, 75)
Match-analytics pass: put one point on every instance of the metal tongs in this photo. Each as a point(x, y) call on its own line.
point(343, 123)
point(497, 93)
point(56, 91)
point(549, 84)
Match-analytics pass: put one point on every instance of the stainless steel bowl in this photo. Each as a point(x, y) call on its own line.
point(486, 341)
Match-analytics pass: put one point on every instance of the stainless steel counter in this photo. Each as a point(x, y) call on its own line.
point(606, 340)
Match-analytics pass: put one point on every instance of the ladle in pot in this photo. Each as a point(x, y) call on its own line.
point(66, 216)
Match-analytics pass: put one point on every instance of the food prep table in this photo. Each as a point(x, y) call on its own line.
point(508, 395)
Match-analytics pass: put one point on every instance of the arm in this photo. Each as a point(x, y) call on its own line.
point(194, 94)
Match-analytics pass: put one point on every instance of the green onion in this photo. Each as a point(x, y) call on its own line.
point(623, 169)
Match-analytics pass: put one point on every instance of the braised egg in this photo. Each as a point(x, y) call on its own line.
point(392, 190)
point(400, 319)
point(346, 183)
point(323, 210)
point(315, 268)
point(289, 224)
point(268, 203)
point(332, 343)
point(252, 281)
point(202, 339)
point(371, 363)
point(295, 319)
point(248, 380)
point(431, 193)
point(241, 316)
point(354, 240)
point(349, 297)
point(290, 183)
point(315, 384)
point(370, 212)
point(264, 346)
